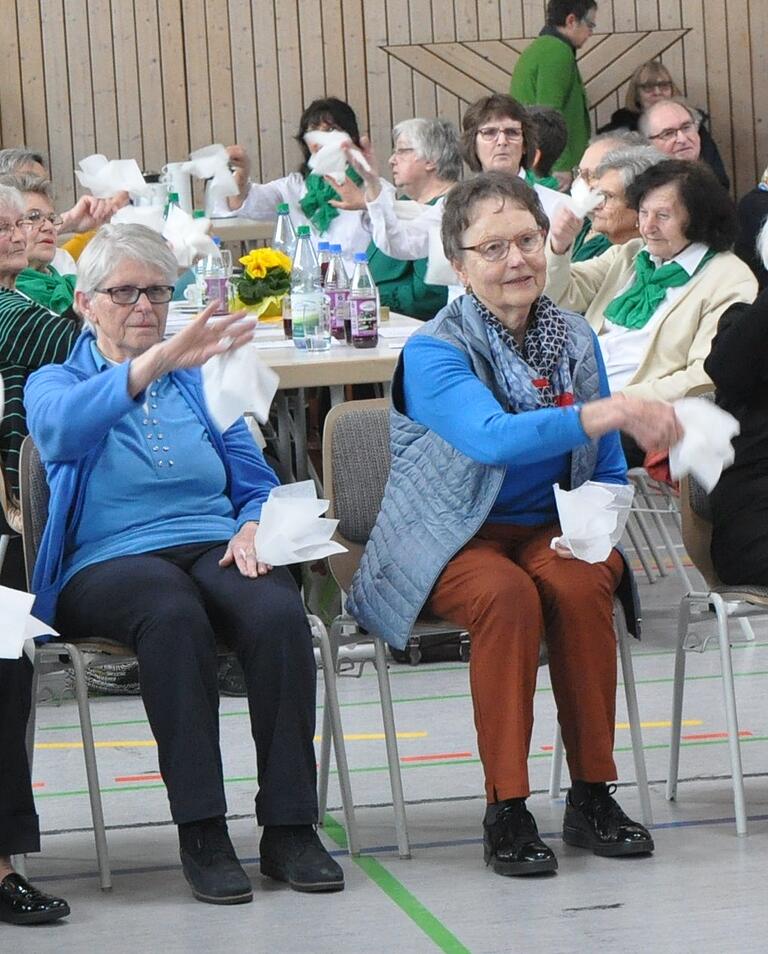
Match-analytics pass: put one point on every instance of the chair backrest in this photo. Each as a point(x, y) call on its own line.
point(356, 461)
point(34, 494)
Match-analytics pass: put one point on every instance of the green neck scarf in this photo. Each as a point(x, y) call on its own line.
point(49, 288)
point(319, 193)
point(634, 308)
point(549, 181)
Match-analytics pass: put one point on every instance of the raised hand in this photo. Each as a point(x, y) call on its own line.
point(564, 228)
point(240, 162)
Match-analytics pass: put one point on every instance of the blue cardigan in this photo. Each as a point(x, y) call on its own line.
point(71, 409)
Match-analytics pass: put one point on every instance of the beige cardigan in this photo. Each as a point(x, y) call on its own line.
point(674, 361)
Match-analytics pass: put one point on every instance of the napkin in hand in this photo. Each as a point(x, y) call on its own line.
point(592, 518)
point(583, 199)
point(330, 159)
point(212, 162)
point(238, 381)
point(18, 625)
point(705, 449)
point(187, 236)
point(149, 215)
point(292, 528)
point(105, 177)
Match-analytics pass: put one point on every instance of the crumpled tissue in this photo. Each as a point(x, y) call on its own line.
point(705, 449)
point(330, 159)
point(212, 162)
point(292, 528)
point(187, 236)
point(592, 518)
point(583, 199)
point(238, 381)
point(18, 623)
point(105, 177)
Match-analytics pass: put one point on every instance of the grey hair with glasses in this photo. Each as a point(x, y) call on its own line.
point(27, 182)
point(629, 163)
point(627, 137)
point(644, 122)
point(11, 200)
point(114, 244)
point(13, 159)
point(434, 140)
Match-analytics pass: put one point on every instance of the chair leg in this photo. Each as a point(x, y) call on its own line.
point(678, 685)
point(638, 548)
point(729, 693)
point(337, 732)
point(91, 770)
point(4, 540)
point(667, 539)
point(746, 629)
point(325, 739)
point(556, 766)
point(633, 713)
point(641, 522)
point(393, 758)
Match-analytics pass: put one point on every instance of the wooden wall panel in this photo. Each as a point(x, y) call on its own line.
point(154, 79)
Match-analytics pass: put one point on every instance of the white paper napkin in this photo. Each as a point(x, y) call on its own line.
point(583, 199)
point(104, 177)
point(592, 518)
point(187, 236)
point(705, 450)
point(212, 162)
point(292, 528)
point(149, 215)
point(238, 381)
point(330, 159)
point(17, 624)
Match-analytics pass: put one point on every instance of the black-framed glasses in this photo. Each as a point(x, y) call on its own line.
point(667, 135)
point(130, 294)
point(495, 250)
point(663, 86)
point(491, 133)
point(35, 218)
point(8, 228)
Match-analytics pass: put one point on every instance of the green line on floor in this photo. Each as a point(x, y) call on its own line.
point(396, 891)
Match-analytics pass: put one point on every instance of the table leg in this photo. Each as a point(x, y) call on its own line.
point(284, 432)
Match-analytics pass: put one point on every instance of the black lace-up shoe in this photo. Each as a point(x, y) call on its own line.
point(21, 903)
point(598, 823)
point(210, 863)
point(295, 854)
point(511, 843)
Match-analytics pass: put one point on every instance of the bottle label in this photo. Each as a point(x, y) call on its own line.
point(306, 308)
point(338, 305)
point(363, 317)
point(217, 288)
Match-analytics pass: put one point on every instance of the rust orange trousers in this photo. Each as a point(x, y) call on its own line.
point(510, 590)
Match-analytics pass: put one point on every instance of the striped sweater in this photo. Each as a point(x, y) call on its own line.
point(30, 336)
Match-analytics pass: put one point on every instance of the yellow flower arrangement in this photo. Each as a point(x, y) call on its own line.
point(259, 260)
point(265, 281)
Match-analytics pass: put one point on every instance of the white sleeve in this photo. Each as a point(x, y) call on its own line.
point(261, 201)
point(403, 238)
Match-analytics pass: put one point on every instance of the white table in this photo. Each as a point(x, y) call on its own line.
point(238, 229)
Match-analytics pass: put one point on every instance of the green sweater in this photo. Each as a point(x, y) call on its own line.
point(547, 75)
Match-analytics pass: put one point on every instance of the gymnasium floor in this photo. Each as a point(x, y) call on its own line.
point(695, 894)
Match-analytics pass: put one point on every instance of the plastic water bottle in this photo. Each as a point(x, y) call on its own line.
point(337, 292)
point(363, 319)
point(306, 289)
point(173, 199)
point(214, 275)
point(323, 258)
point(284, 236)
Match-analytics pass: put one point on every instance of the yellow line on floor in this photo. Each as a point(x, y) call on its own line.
point(660, 725)
point(150, 743)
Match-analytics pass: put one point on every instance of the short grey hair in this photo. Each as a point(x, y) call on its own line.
point(13, 159)
point(26, 182)
point(629, 163)
point(644, 122)
point(113, 244)
point(435, 140)
point(627, 137)
point(11, 199)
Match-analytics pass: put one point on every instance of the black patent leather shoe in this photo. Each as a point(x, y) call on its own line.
point(511, 843)
point(22, 903)
point(210, 864)
point(598, 823)
point(295, 854)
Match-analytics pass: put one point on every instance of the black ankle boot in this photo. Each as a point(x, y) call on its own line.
point(210, 864)
point(593, 819)
point(511, 843)
point(294, 853)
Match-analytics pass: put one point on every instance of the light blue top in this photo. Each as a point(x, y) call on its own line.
point(158, 483)
point(443, 393)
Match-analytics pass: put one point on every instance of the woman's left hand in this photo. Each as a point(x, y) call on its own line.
point(352, 196)
point(241, 551)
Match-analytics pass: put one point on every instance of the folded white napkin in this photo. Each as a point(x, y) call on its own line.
point(592, 518)
point(583, 199)
point(18, 625)
point(705, 450)
point(104, 177)
point(238, 381)
point(212, 162)
point(149, 215)
point(187, 236)
point(330, 159)
point(292, 528)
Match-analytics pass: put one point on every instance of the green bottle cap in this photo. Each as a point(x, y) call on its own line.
point(302, 230)
point(282, 209)
point(198, 214)
point(173, 197)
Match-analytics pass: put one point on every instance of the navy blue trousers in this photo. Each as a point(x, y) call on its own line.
point(19, 830)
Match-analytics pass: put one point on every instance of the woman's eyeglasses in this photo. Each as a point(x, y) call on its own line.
point(36, 218)
point(130, 294)
point(495, 250)
point(663, 86)
point(492, 133)
point(8, 228)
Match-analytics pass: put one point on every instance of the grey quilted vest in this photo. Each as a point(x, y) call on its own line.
point(437, 498)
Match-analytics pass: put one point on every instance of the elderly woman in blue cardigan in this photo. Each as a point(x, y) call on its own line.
point(150, 542)
point(500, 396)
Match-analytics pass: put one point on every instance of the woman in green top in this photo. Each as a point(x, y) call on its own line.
point(40, 281)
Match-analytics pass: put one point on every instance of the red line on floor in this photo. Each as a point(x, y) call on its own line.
point(432, 758)
point(147, 777)
point(38, 785)
point(700, 736)
point(546, 748)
